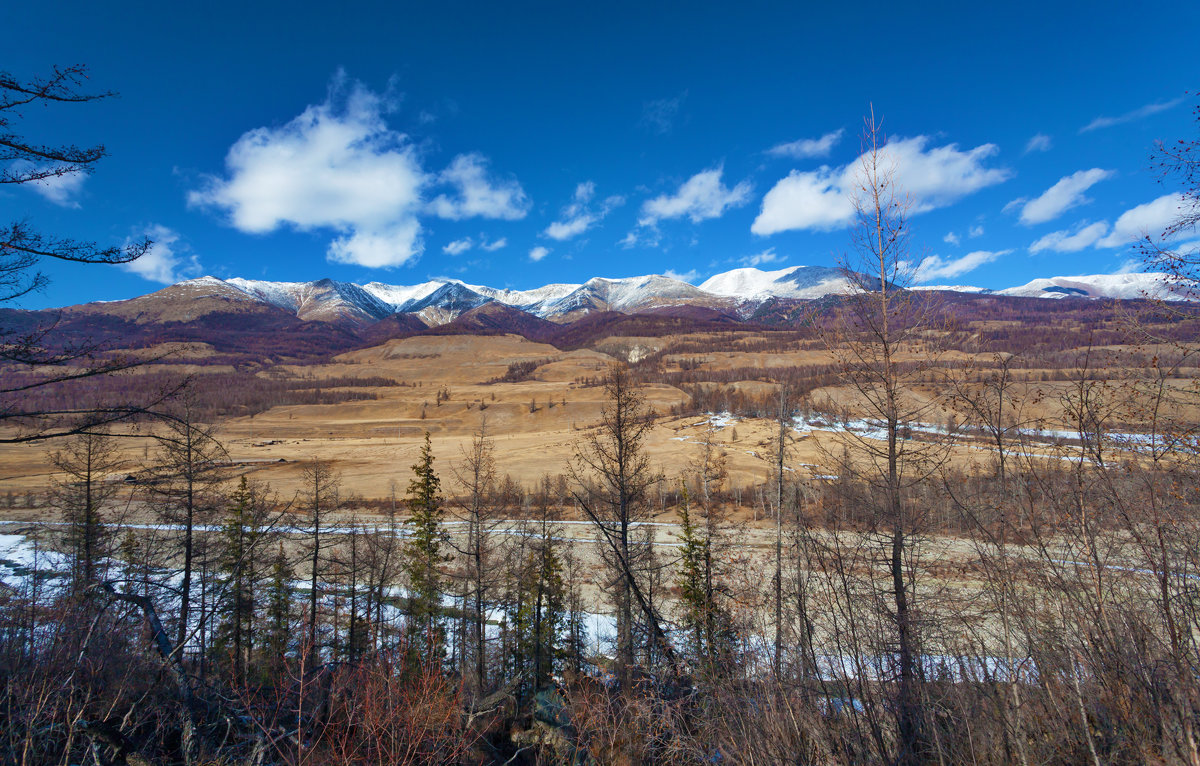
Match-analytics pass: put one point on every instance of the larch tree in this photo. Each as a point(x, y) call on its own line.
point(46, 360)
point(319, 498)
point(183, 480)
point(480, 507)
point(88, 464)
point(879, 337)
point(612, 477)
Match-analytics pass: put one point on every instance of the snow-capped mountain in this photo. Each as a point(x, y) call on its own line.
point(323, 300)
point(439, 301)
point(1129, 286)
point(797, 282)
point(627, 295)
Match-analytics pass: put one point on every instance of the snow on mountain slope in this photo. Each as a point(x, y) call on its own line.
point(441, 300)
point(628, 294)
point(531, 301)
point(800, 282)
point(1126, 286)
point(323, 300)
point(397, 295)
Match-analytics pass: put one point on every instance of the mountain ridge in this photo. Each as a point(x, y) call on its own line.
point(739, 292)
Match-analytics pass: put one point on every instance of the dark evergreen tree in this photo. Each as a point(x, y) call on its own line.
point(424, 559)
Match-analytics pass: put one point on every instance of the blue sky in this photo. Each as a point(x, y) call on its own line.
point(518, 144)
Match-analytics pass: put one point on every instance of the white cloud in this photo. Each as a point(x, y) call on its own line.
point(1062, 196)
point(686, 276)
point(804, 200)
point(167, 261)
point(758, 259)
point(579, 216)
point(700, 197)
point(951, 238)
point(493, 246)
point(338, 166)
point(1136, 114)
point(1071, 241)
point(808, 147)
point(1149, 219)
point(935, 267)
point(378, 247)
point(335, 166)
point(479, 195)
point(60, 189)
point(975, 231)
point(931, 177)
point(538, 253)
point(1039, 143)
point(459, 246)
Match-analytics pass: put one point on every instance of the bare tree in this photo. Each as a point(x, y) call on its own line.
point(89, 464)
point(183, 480)
point(612, 477)
point(45, 360)
point(479, 508)
point(1180, 160)
point(879, 342)
point(319, 497)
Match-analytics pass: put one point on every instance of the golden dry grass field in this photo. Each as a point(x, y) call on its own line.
point(445, 387)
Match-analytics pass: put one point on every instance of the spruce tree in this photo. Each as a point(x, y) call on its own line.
point(423, 559)
point(279, 612)
point(239, 576)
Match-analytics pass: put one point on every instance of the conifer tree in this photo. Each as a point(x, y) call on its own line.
point(279, 611)
point(424, 557)
point(542, 615)
point(690, 575)
point(239, 576)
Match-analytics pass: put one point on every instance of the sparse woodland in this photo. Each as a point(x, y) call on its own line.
point(449, 625)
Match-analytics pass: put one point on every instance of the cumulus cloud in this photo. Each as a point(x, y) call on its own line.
point(701, 197)
point(932, 177)
point(686, 276)
point(338, 166)
point(479, 194)
point(808, 147)
point(659, 116)
point(459, 246)
point(804, 200)
point(951, 238)
point(758, 259)
point(167, 261)
point(581, 215)
point(538, 253)
point(1039, 143)
point(61, 189)
point(1136, 114)
point(975, 231)
point(335, 166)
point(494, 245)
point(1071, 240)
point(1061, 197)
point(935, 267)
point(1150, 219)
